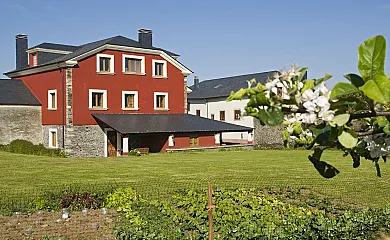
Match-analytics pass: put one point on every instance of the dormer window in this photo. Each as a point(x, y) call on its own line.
point(159, 68)
point(105, 64)
point(133, 64)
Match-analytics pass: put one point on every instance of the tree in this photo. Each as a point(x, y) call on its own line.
point(353, 117)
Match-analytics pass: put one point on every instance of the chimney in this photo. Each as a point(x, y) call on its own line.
point(21, 54)
point(145, 37)
point(196, 82)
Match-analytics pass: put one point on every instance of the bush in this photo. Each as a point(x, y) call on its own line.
point(26, 147)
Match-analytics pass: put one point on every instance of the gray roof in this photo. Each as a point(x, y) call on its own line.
point(56, 46)
point(165, 123)
point(222, 87)
point(14, 92)
point(78, 50)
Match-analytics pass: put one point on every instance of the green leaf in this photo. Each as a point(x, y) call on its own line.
point(308, 84)
point(378, 90)
point(355, 79)
point(386, 129)
point(236, 95)
point(342, 88)
point(303, 73)
point(339, 120)
point(382, 121)
point(348, 138)
point(320, 80)
point(272, 116)
point(262, 99)
point(372, 56)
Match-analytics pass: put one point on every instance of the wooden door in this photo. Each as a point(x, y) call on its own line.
point(194, 141)
point(111, 144)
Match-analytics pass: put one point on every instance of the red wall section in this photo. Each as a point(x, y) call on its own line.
point(159, 143)
point(39, 84)
point(85, 78)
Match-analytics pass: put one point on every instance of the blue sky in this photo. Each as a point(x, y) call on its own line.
point(214, 38)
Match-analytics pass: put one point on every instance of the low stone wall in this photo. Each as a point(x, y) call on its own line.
point(267, 137)
point(20, 122)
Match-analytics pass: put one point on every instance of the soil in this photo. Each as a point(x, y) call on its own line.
point(50, 225)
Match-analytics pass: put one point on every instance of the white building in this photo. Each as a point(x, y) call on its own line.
point(208, 99)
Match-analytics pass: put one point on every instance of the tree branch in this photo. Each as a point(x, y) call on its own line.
point(368, 133)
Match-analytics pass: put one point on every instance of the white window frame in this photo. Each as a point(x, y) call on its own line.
point(165, 74)
point(104, 99)
point(135, 100)
point(98, 56)
point(49, 102)
point(155, 100)
point(51, 130)
point(124, 56)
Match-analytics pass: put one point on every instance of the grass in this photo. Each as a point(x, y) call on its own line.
point(166, 172)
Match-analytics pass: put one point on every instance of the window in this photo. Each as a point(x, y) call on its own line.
point(222, 115)
point(198, 112)
point(194, 141)
point(160, 101)
point(159, 68)
point(98, 99)
point(129, 100)
point(53, 138)
point(133, 64)
point(105, 63)
point(237, 114)
point(35, 59)
point(52, 99)
point(212, 116)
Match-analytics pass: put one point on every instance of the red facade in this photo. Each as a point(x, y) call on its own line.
point(74, 79)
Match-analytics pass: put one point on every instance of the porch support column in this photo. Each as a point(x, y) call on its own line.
point(250, 137)
point(125, 145)
point(171, 140)
point(217, 137)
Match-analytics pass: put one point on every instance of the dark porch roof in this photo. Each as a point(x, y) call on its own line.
point(165, 123)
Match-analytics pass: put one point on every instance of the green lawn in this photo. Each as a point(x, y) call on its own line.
point(159, 173)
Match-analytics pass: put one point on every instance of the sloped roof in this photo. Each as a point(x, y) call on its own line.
point(82, 49)
point(56, 46)
point(117, 40)
point(14, 92)
point(165, 123)
point(222, 87)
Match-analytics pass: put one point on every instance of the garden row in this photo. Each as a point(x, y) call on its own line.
point(239, 214)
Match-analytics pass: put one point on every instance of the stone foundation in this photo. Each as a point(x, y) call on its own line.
point(84, 141)
point(80, 141)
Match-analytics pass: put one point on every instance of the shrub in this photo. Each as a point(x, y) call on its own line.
point(134, 152)
point(26, 147)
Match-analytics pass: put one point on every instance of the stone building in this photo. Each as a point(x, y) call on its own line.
point(20, 113)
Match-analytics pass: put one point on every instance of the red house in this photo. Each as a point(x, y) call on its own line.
point(106, 97)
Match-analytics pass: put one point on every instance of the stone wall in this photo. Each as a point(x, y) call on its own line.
point(20, 122)
point(46, 138)
point(84, 141)
point(80, 141)
point(267, 137)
